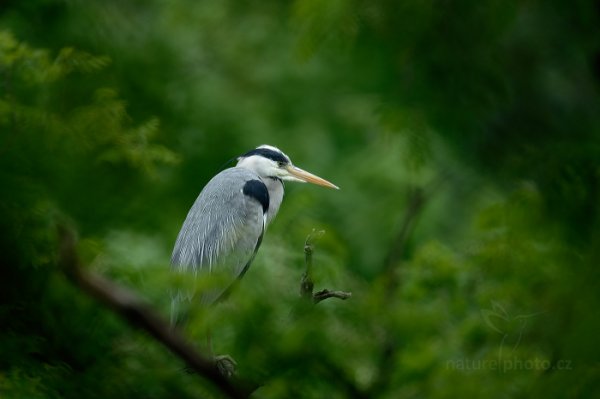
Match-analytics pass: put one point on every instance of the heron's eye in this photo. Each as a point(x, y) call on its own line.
point(280, 164)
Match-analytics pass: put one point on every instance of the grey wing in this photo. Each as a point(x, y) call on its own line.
point(223, 228)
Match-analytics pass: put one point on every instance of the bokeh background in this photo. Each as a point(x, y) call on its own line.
point(465, 139)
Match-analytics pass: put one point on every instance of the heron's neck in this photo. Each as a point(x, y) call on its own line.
point(275, 188)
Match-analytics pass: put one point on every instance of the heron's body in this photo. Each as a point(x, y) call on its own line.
point(225, 226)
point(229, 241)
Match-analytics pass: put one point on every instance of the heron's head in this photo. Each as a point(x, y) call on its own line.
point(268, 161)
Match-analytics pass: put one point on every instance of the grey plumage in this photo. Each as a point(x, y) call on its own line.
point(224, 227)
point(226, 239)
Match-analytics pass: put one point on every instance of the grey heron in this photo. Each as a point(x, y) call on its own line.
point(225, 226)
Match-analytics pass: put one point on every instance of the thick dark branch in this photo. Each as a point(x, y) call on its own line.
point(137, 313)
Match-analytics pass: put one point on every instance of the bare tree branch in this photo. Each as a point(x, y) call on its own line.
point(307, 284)
point(139, 314)
point(324, 294)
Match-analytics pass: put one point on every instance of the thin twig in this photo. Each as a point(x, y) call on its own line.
point(416, 203)
point(307, 284)
point(139, 314)
point(390, 345)
point(324, 294)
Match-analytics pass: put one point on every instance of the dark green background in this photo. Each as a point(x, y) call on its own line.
point(114, 114)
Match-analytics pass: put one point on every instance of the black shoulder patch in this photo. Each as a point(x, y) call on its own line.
point(257, 190)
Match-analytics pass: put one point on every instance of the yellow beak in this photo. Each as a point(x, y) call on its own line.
point(305, 176)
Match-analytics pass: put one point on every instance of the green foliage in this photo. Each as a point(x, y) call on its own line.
point(114, 114)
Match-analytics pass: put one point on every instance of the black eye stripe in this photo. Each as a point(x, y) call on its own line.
point(269, 154)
